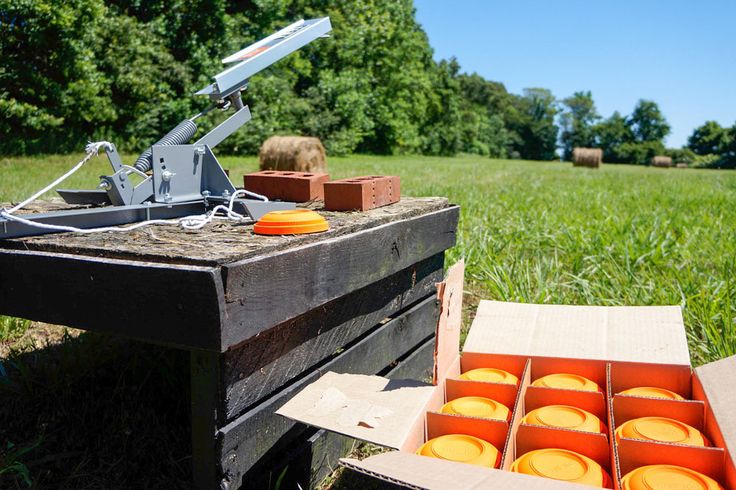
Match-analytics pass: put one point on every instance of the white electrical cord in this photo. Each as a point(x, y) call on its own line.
point(194, 222)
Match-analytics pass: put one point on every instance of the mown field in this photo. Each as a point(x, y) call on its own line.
point(529, 231)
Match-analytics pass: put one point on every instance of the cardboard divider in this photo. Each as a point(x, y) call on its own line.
point(593, 402)
point(626, 375)
point(509, 454)
point(595, 446)
point(626, 408)
point(513, 364)
point(612, 451)
point(502, 393)
point(593, 370)
point(633, 453)
point(493, 431)
point(452, 372)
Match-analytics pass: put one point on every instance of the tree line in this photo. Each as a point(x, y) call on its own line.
point(638, 137)
point(125, 70)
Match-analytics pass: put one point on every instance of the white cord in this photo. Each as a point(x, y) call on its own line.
point(253, 194)
point(194, 222)
point(92, 149)
point(198, 221)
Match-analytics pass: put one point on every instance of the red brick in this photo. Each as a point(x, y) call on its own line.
point(362, 193)
point(287, 186)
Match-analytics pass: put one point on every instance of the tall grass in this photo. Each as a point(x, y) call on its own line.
point(12, 328)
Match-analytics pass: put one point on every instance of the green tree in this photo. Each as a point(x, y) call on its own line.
point(483, 106)
point(443, 130)
point(369, 87)
point(708, 139)
point(50, 90)
point(647, 122)
point(639, 152)
point(577, 121)
point(728, 150)
point(79, 70)
point(531, 117)
point(610, 134)
point(681, 155)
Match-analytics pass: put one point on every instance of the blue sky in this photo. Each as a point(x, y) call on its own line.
point(680, 54)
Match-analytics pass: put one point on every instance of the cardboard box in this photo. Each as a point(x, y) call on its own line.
point(617, 347)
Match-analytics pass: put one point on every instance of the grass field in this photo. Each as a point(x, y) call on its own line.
point(546, 232)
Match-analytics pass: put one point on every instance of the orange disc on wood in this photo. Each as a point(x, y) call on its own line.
point(490, 375)
point(661, 429)
point(462, 448)
point(565, 381)
point(652, 392)
point(290, 222)
point(665, 477)
point(564, 465)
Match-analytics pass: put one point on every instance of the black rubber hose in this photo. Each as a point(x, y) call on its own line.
point(182, 133)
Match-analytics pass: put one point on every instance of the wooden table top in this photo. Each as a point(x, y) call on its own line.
point(217, 243)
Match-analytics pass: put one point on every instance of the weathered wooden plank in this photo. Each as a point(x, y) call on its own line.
point(268, 290)
point(264, 363)
point(259, 434)
point(175, 305)
point(417, 364)
point(319, 451)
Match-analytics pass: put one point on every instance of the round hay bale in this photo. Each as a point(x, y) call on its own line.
point(681, 165)
point(662, 161)
point(587, 157)
point(295, 153)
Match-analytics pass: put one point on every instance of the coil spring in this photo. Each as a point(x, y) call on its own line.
point(182, 133)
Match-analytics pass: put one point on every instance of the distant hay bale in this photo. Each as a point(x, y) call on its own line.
point(681, 165)
point(587, 157)
point(296, 153)
point(661, 161)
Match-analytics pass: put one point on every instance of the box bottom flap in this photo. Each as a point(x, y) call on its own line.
point(371, 408)
point(410, 470)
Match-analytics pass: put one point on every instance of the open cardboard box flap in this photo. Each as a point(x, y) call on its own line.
point(391, 412)
point(719, 386)
point(370, 408)
point(652, 334)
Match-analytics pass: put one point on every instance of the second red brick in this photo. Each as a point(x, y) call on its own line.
point(287, 186)
point(362, 193)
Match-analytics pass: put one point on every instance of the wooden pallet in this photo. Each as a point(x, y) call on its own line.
point(261, 316)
